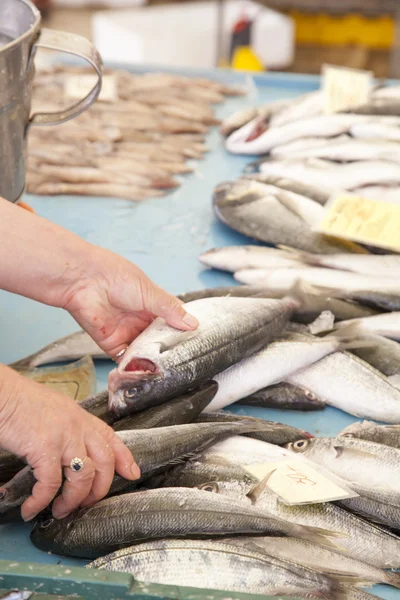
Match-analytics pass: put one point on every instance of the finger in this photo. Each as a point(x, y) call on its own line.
point(101, 452)
point(49, 478)
point(125, 464)
point(76, 487)
point(162, 304)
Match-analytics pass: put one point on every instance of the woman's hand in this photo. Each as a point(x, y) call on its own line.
point(115, 301)
point(49, 430)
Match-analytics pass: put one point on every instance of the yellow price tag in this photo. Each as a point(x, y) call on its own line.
point(344, 88)
point(363, 220)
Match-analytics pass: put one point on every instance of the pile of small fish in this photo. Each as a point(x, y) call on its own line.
point(130, 148)
point(356, 151)
point(198, 517)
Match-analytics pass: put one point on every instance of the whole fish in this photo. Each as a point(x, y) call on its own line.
point(70, 347)
point(383, 355)
point(269, 431)
point(274, 363)
point(350, 384)
point(279, 217)
point(219, 565)
point(387, 325)
point(123, 520)
point(285, 278)
point(235, 258)
point(152, 449)
point(323, 559)
point(389, 435)
point(374, 511)
point(354, 536)
point(285, 396)
point(163, 362)
point(367, 264)
point(178, 411)
point(368, 467)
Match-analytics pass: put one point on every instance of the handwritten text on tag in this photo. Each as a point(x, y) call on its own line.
point(345, 88)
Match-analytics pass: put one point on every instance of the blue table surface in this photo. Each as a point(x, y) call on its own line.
point(164, 237)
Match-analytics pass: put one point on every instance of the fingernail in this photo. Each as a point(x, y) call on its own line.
point(190, 321)
point(28, 517)
point(59, 515)
point(135, 471)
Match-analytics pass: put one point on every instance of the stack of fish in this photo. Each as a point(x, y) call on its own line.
point(198, 517)
point(131, 147)
point(356, 151)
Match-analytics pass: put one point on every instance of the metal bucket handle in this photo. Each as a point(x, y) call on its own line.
point(71, 44)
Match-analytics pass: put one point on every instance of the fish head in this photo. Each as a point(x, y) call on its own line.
point(50, 533)
point(132, 390)
point(303, 446)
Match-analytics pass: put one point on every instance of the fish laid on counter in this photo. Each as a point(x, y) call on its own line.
point(284, 396)
point(162, 362)
point(367, 466)
point(123, 520)
point(389, 435)
point(274, 216)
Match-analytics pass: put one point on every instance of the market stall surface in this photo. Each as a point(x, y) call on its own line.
point(164, 237)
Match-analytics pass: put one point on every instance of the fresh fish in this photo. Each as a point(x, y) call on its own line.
point(284, 396)
point(367, 264)
point(219, 565)
point(368, 467)
point(336, 177)
point(152, 449)
point(354, 536)
point(323, 559)
point(281, 279)
point(274, 363)
point(179, 411)
point(318, 194)
point(389, 435)
point(383, 355)
point(269, 431)
point(387, 325)
point(372, 510)
point(350, 384)
point(123, 520)
point(340, 149)
point(276, 218)
point(235, 258)
point(70, 347)
point(162, 362)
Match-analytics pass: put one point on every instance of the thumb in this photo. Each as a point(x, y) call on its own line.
point(163, 304)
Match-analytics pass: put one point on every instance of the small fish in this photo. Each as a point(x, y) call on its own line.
point(368, 467)
point(123, 520)
point(70, 347)
point(178, 411)
point(235, 258)
point(389, 435)
point(220, 565)
point(387, 325)
point(284, 396)
point(162, 362)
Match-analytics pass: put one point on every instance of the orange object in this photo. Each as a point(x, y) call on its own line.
point(26, 207)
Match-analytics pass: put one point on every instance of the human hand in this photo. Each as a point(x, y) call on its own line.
point(49, 430)
point(115, 301)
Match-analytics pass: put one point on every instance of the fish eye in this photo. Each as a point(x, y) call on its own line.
point(46, 524)
point(130, 393)
point(300, 445)
point(310, 395)
point(209, 487)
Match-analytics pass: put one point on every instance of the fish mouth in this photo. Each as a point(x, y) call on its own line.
point(135, 370)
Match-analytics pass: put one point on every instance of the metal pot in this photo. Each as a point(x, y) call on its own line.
point(20, 36)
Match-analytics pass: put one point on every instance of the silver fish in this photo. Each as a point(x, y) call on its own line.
point(162, 362)
point(387, 325)
point(219, 565)
point(389, 435)
point(168, 512)
point(383, 355)
point(70, 347)
point(372, 510)
point(234, 258)
point(344, 456)
point(286, 397)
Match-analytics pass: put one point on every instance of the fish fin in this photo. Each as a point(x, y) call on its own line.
point(352, 337)
point(256, 492)
point(394, 380)
point(302, 256)
point(324, 322)
point(318, 535)
point(289, 204)
point(300, 291)
point(392, 579)
point(348, 579)
point(341, 450)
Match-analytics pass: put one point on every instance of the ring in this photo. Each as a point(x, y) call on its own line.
point(76, 464)
point(120, 353)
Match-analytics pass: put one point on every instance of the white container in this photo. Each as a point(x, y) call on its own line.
point(185, 35)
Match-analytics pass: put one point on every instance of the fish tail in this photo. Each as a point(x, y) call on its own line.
point(302, 256)
point(301, 291)
point(353, 336)
point(392, 579)
point(316, 535)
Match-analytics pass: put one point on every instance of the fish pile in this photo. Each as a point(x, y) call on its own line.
point(132, 147)
point(198, 517)
point(356, 150)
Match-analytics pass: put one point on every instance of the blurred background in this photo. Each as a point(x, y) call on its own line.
point(285, 35)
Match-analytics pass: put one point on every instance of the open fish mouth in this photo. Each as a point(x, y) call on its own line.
point(137, 369)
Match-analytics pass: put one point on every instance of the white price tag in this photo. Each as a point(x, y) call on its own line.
point(79, 86)
point(297, 482)
point(345, 88)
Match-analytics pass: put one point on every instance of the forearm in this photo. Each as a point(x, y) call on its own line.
point(39, 259)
